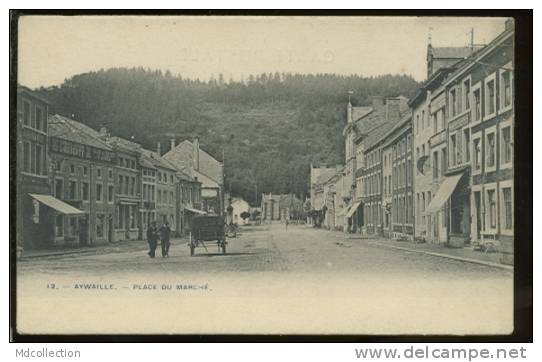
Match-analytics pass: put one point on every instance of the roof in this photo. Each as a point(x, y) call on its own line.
point(182, 157)
point(155, 159)
point(68, 129)
point(358, 112)
point(452, 52)
point(325, 175)
point(123, 144)
point(206, 182)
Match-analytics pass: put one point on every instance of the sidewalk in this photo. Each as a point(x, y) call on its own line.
point(466, 254)
point(116, 247)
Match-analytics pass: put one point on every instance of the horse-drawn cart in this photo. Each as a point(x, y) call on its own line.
point(207, 229)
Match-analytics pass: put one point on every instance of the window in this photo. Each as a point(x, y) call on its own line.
point(26, 113)
point(59, 188)
point(72, 169)
point(452, 150)
point(443, 161)
point(492, 209)
point(453, 100)
point(435, 165)
point(110, 174)
point(126, 185)
point(423, 118)
point(26, 157)
point(110, 190)
point(119, 185)
point(85, 193)
point(159, 199)
point(99, 192)
point(172, 198)
point(417, 123)
point(466, 139)
point(507, 204)
point(477, 106)
point(132, 188)
point(477, 154)
point(506, 89)
point(459, 149)
point(490, 150)
point(98, 172)
point(39, 118)
point(466, 87)
point(506, 145)
point(73, 190)
point(490, 97)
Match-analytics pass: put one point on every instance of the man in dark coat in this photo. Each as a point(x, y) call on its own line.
point(152, 239)
point(165, 233)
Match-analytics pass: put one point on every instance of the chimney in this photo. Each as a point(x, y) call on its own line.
point(377, 101)
point(196, 153)
point(393, 108)
point(172, 143)
point(159, 149)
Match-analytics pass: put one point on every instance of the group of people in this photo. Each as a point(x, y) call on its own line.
point(153, 233)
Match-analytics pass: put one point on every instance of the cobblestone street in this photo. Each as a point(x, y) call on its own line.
point(299, 249)
point(272, 280)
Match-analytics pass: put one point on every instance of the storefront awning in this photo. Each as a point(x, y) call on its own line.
point(353, 209)
point(57, 204)
point(195, 211)
point(443, 193)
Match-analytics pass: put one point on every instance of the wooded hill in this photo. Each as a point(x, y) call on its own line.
point(269, 127)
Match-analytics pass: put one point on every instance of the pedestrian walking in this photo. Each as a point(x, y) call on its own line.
point(152, 238)
point(165, 233)
point(286, 223)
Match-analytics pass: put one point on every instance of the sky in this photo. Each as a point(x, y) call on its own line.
point(54, 48)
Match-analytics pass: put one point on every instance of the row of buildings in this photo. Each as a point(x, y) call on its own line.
point(438, 167)
point(80, 186)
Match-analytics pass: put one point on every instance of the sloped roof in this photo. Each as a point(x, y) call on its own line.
point(182, 154)
point(206, 182)
point(358, 112)
point(157, 160)
point(68, 129)
point(452, 52)
point(325, 175)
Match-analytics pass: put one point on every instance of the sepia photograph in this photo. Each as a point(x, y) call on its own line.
point(264, 175)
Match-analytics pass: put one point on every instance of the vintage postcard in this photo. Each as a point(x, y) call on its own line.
point(264, 175)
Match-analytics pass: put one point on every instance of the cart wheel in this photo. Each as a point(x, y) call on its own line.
point(192, 249)
point(223, 247)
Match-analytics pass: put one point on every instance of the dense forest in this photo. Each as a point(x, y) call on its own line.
point(269, 127)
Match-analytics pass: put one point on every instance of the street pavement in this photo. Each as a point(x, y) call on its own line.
point(272, 280)
point(264, 248)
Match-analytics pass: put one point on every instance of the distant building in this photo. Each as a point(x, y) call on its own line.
point(280, 207)
point(191, 159)
point(397, 156)
point(239, 206)
point(367, 211)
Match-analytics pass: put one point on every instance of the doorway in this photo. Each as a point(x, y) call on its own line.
point(477, 205)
